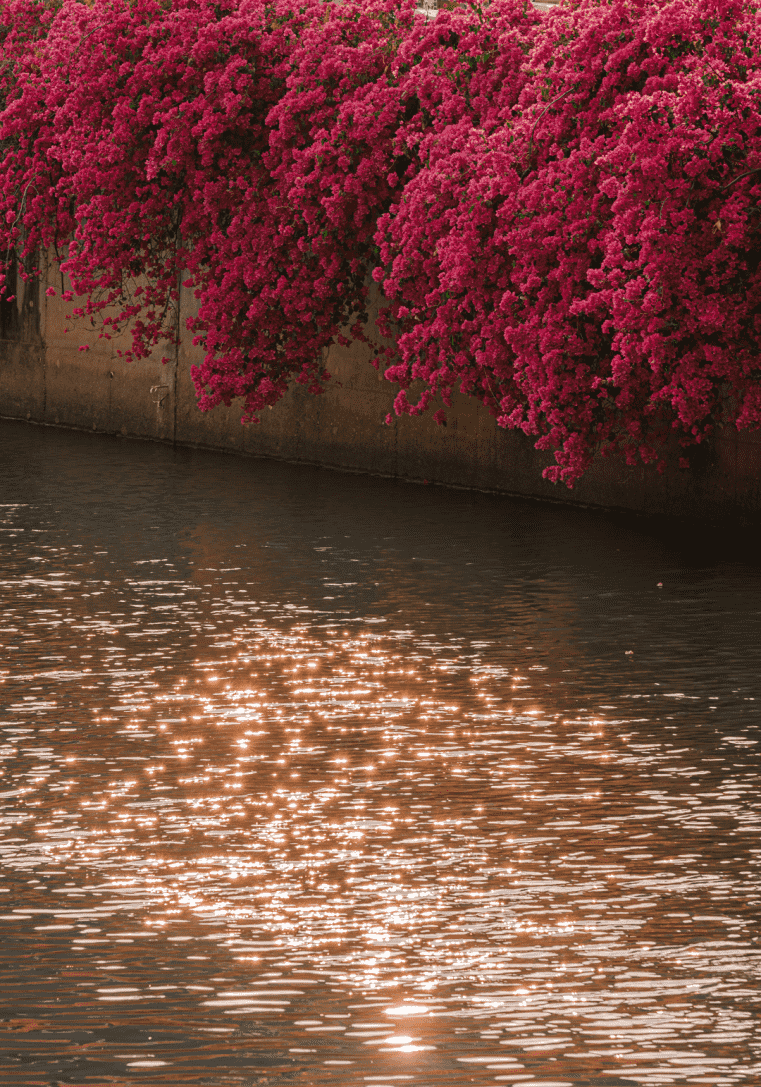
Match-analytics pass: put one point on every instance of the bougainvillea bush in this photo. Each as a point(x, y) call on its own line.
point(560, 210)
point(589, 265)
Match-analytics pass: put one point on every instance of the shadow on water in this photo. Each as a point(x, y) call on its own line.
point(315, 778)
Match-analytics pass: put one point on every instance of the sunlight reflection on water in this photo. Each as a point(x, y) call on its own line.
point(317, 779)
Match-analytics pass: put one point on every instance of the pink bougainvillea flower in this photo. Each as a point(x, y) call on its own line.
point(560, 211)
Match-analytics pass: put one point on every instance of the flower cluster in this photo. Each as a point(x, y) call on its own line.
point(588, 263)
point(561, 211)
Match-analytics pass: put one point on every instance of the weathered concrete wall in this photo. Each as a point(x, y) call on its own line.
point(44, 377)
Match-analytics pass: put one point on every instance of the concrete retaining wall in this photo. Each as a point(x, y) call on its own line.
point(45, 378)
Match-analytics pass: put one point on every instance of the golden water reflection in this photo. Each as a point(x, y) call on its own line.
point(247, 840)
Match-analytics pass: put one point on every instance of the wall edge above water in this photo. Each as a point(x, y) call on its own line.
point(45, 378)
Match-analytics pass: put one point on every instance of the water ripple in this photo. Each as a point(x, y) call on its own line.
point(307, 779)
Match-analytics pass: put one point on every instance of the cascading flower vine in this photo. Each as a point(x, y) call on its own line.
point(27, 203)
point(588, 267)
point(561, 211)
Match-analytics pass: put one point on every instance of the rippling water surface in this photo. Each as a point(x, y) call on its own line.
point(311, 779)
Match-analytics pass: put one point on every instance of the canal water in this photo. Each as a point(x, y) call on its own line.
point(311, 778)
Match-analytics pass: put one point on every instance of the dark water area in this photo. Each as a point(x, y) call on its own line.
point(311, 778)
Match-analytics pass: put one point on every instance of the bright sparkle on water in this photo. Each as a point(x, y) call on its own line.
point(318, 780)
